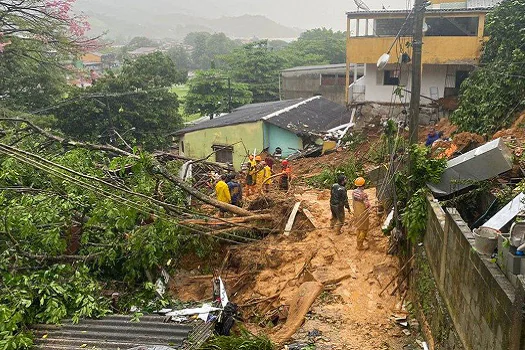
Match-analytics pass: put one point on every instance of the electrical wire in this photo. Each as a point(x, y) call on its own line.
point(121, 200)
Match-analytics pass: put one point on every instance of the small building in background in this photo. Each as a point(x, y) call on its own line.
point(92, 61)
point(290, 125)
point(143, 51)
point(328, 81)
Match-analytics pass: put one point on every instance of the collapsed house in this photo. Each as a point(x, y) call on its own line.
point(289, 125)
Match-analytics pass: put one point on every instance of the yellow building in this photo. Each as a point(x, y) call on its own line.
point(454, 33)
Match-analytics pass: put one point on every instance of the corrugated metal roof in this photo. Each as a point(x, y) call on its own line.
point(321, 67)
point(112, 333)
point(315, 114)
point(430, 11)
point(245, 114)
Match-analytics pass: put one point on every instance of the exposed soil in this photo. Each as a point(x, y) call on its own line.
point(263, 277)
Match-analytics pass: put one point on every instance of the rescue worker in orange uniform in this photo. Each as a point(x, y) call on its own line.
point(361, 206)
point(286, 175)
point(223, 193)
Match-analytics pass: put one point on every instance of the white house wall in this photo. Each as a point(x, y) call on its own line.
point(433, 76)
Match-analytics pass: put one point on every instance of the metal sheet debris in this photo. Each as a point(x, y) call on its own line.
point(204, 309)
point(223, 294)
point(482, 163)
point(509, 212)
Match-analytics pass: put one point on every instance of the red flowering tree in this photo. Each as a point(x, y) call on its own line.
point(51, 22)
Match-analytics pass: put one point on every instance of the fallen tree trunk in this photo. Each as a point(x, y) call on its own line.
point(158, 169)
point(201, 196)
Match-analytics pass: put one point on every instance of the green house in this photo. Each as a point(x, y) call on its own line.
point(289, 125)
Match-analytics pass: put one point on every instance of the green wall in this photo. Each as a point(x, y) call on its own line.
point(198, 144)
point(275, 136)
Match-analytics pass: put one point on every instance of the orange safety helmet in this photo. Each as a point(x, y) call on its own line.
point(258, 158)
point(359, 182)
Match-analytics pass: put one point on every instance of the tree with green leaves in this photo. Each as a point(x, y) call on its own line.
point(77, 218)
point(207, 48)
point(316, 46)
point(211, 93)
point(180, 57)
point(132, 107)
point(495, 92)
point(31, 77)
point(257, 66)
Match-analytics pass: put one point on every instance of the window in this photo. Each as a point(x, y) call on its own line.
point(437, 26)
point(461, 75)
point(333, 80)
point(391, 77)
point(223, 153)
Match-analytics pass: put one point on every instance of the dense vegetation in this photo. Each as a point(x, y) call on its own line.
point(134, 107)
point(495, 92)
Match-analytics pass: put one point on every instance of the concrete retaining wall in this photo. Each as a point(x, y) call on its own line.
point(470, 286)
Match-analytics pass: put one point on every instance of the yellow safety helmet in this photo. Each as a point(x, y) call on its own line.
point(359, 182)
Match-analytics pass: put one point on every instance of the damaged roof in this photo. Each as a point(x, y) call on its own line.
point(300, 116)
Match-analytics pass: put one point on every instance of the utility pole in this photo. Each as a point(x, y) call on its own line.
point(415, 97)
point(229, 95)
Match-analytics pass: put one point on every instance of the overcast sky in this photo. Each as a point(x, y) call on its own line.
point(313, 13)
point(305, 14)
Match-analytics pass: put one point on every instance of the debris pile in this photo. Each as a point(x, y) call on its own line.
point(312, 279)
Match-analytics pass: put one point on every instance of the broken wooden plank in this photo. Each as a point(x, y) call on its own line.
point(310, 217)
point(291, 219)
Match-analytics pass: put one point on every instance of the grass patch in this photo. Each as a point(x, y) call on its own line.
point(244, 340)
point(182, 91)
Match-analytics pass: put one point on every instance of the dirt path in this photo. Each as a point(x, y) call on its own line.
point(353, 315)
point(263, 278)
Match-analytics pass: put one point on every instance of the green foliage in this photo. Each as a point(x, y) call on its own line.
point(351, 168)
point(316, 46)
point(424, 170)
point(61, 237)
point(135, 107)
point(140, 41)
point(155, 70)
point(31, 78)
point(180, 57)
point(414, 217)
point(495, 92)
point(210, 94)
point(258, 67)
point(45, 297)
point(244, 341)
point(207, 48)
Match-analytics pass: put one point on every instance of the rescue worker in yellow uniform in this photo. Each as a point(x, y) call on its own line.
point(223, 193)
point(259, 173)
point(361, 206)
point(267, 177)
